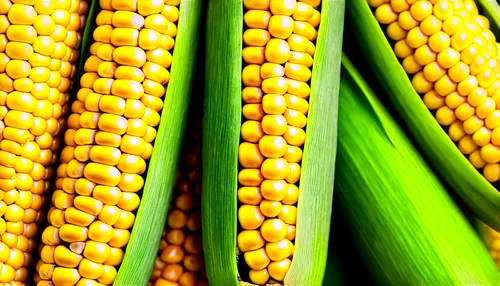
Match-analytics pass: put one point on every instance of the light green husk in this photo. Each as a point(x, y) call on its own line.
point(480, 196)
point(142, 248)
point(87, 39)
point(221, 136)
point(408, 228)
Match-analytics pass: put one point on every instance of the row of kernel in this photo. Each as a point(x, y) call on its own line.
point(453, 57)
point(109, 140)
point(279, 52)
point(39, 44)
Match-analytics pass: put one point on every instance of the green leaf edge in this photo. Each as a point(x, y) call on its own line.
point(142, 248)
point(87, 39)
point(491, 10)
point(220, 144)
point(316, 185)
point(390, 270)
point(221, 135)
point(471, 186)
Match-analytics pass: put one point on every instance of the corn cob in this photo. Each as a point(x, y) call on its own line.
point(274, 87)
point(108, 142)
point(453, 56)
point(39, 42)
point(408, 228)
point(180, 255)
point(279, 50)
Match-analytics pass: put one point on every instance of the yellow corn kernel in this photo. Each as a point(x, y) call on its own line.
point(249, 195)
point(249, 155)
point(129, 56)
point(258, 19)
point(279, 250)
point(259, 277)
point(250, 240)
point(277, 51)
point(257, 259)
point(273, 230)
point(96, 251)
point(250, 217)
point(270, 208)
point(278, 269)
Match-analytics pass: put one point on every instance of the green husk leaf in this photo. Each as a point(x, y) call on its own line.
point(221, 135)
point(482, 231)
point(148, 227)
point(491, 10)
point(481, 197)
point(318, 163)
point(87, 40)
point(407, 226)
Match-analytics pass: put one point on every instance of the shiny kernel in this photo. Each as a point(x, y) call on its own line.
point(490, 153)
point(486, 108)
point(385, 14)
point(410, 65)
point(433, 71)
point(278, 269)
point(476, 160)
point(420, 84)
point(454, 100)
point(256, 259)
point(477, 96)
point(258, 19)
point(249, 240)
point(431, 25)
point(459, 72)
point(406, 21)
point(250, 217)
point(279, 250)
point(273, 230)
point(402, 50)
point(421, 10)
point(249, 195)
point(251, 131)
point(274, 124)
point(472, 125)
point(482, 136)
point(277, 51)
point(424, 55)
point(445, 86)
point(453, 25)
point(439, 41)
point(305, 29)
point(250, 177)
point(493, 120)
point(445, 116)
point(461, 40)
point(448, 58)
point(254, 55)
point(281, 26)
point(282, 7)
point(270, 208)
point(249, 155)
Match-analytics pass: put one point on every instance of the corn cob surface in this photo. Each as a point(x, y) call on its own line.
point(39, 51)
point(452, 56)
point(180, 254)
point(109, 139)
point(279, 39)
